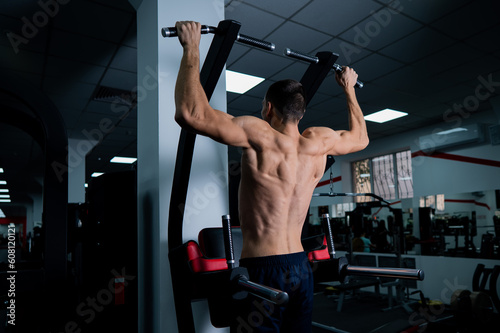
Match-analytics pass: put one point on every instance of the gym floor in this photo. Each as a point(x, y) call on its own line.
point(366, 313)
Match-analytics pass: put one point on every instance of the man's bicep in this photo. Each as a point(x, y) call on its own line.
point(226, 129)
point(343, 142)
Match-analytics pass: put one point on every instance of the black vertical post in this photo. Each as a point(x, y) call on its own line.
point(317, 72)
point(222, 43)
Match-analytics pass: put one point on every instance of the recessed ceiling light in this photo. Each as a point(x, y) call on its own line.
point(97, 174)
point(2, 214)
point(1, 170)
point(4, 190)
point(4, 195)
point(385, 115)
point(5, 200)
point(241, 83)
point(126, 160)
point(3, 182)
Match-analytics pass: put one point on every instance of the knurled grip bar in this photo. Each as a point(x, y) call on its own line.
point(313, 59)
point(244, 39)
point(397, 273)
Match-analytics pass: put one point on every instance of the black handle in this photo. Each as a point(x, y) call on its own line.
point(270, 294)
point(313, 59)
point(228, 241)
point(398, 273)
point(327, 229)
point(172, 31)
point(244, 39)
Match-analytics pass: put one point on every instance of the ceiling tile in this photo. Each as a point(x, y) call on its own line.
point(471, 71)
point(24, 61)
point(484, 39)
point(125, 59)
point(417, 45)
point(246, 15)
point(118, 4)
point(107, 23)
point(275, 7)
point(259, 63)
point(372, 35)
point(72, 90)
point(63, 101)
point(119, 79)
point(246, 103)
point(297, 37)
point(334, 17)
point(73, 70)
point(448, 58)
point(77, 47)
point(469, 19)
point(348, 52)
point(31, 78)
point(19, 37)
point(100, 107)
point(430, 10)
point(374, 66)
point(294, 71)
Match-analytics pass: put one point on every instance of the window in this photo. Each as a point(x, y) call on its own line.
point(433, 201)
point(389, 175)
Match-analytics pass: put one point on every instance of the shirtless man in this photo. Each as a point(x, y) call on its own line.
point(280, 169)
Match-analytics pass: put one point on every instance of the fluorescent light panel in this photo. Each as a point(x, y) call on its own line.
point(5, 200)
point(385, 115)
point(241, 83)
point(1, 170)
point(3, 182)
point(2, 214)
point(4, 196)
point(125, 160)
point(97, 174)
point(4, 190)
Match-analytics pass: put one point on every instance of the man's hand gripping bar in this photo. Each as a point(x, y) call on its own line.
point(244, 39)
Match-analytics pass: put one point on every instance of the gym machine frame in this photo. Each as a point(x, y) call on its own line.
point(218, 286)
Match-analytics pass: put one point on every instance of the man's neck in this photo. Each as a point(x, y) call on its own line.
point(289, 128)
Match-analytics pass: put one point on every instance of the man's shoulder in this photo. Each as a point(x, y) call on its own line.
point(317, 131)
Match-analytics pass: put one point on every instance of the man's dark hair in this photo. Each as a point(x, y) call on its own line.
point(289, 97)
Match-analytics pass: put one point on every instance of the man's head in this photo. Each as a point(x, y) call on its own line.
point(288, 98)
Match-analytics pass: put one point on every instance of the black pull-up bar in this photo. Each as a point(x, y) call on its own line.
point(244, 39)
point(313, 59)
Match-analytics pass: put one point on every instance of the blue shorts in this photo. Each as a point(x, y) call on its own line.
point(291, 273)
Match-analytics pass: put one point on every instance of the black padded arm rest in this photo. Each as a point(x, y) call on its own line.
point(313, 243)
point(211, 242)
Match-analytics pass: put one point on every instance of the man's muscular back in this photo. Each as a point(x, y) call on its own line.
point(277, 182)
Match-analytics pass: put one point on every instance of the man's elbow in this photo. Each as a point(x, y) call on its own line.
point(364, 142)
point(181, 118)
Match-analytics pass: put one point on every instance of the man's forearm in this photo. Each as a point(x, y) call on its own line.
point(188, 90)
point(357, 124)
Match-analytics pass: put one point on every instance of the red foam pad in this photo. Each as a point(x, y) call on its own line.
point(199, 263)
